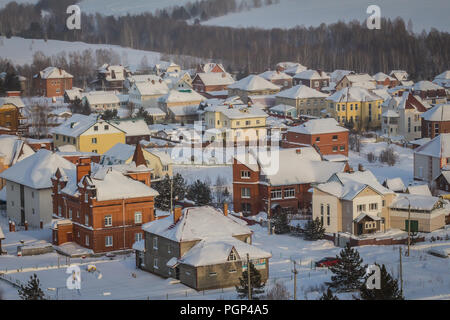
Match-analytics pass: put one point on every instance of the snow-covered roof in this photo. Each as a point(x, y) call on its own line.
point(338, 74)
point(184, 110)
point(353, 94)
point(181, 96)
point(311, 75)
point(208, 67)
point(418, 202)
point(444, 75)
point(362, 80)
point(282, 108)
point(216, 251)
point(16, 101)
point(13, 149)
point(139, 245)
point(216, 78)
point(151, 88)
point(164, 156)
point(425, 85)
point(113, 73)
point(399, 74)
point(440, 112)
point(363, 215)
point(395, 184)
point(238, 111)
point(101, 97)
point(36, 170)
point(197, 223)
point(301, 92)
point(295, 69)
point(318, 126)
point(382, 93)
point(438, 147)
point(132, 127)
point(390, 114)
point(380, 76)
point(253, 83)
point(271, 75)
point(74, 93)
point(155, 111)
point(422, 190)
point(76, 125)
point(348, 185)
point(54, 73)
point(119, 153)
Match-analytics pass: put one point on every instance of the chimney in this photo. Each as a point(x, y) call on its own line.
point(13, 93)
point(138, 156)
point(360, 167)
point(153, 81)
point(225, 209)
point(223, 75)
point(298, 151)
point(83, 168)
point(176, 214)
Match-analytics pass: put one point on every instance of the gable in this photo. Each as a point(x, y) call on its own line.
point(101, 129)
point(367, 191)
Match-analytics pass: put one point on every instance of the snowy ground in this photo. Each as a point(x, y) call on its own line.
point(20, 51)
point(425, 276)
point(403, 168)
point(290, 13)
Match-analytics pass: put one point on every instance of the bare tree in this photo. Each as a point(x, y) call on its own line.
point(40, 119)
point(277, 292)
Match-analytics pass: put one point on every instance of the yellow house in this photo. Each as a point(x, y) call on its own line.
point(158, 161)
point(88, 134)
point(356, 106)
point(235, 122)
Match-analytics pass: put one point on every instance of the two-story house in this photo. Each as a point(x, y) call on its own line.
point(52, 82)
point(200, 246)
point(315, 79)
point(431, 157)
point(307, 101)
point(252, 85)
point(436, 121)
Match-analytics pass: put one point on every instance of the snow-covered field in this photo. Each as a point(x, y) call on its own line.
point(20, 51)
point(403, 168)
point(290, 13)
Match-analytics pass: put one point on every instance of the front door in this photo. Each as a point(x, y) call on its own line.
point(69, 237)
point(177, 273)
point(360, 228)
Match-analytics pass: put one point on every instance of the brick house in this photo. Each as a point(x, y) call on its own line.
point(325, 134)
point(278, 78)
point(201, 246)
point(384, 80)
point(212, 82)
point(210, 67)
point(252, 85)
point(102, 207)
point(52, 82)
point(436, 121)
point(288, 186)
point(430, 92)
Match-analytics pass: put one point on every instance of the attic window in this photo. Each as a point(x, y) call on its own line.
point(106, 127)
point(72, 124)
point(232, 256)
point(95, 128)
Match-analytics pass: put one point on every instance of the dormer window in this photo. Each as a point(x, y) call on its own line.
point(232, 256)
point(95, 128)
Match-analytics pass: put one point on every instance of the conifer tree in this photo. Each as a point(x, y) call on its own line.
point(349, 272)
point(281, 223)
point(200, 193)
point(257, 286)
point(314, 230)
point(162, 201)
point(32, 291)
point(388, 288)
point(328, 295)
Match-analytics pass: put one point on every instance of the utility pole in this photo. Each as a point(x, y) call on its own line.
point(401, 271)
point(409, 225)
point(171, 195)
point(269, 225)
point(295, 279)
point(248, 276)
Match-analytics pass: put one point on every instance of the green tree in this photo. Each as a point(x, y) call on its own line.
point(281, 223)
point(179, 187)
point(349, 272)
point(110, 114)
point(143, 114)
point(328, 295)
point(314, 230)
point(32, 291)
point(200, 193)
point(388, 288)
point(162, 201)
point(257, 286)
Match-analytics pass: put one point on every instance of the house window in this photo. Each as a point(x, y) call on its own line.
point(138, 217)
point(232, 257)
point(155, 263)
point(86, 197)
point(335, 148)
point(108, 221)
point(361, 207)
point(59, 210)
point(318, 139)
point(32, 194)
point(106, 127)
point(342, 148)
point(247, 123)
point(94, 140)
point(138, 236)
point(70, 213)
point(169, 248)
point(32, 211)
point(335, 138)
point(289, 193)
point(373, 206)
point(232, 271)
point(95, 128)
point(245, 174)
point(276, 194)
point(108, 241)
point(245, 193)
point(86, 219)
point(213, 274)
point(328, 218)
point(165, 168)
point(155, 243)
point(86, 239)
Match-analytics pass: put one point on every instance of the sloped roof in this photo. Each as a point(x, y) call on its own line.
point(181, 96)
point(132, 127)
point(301, 92)
point(380, 76)
point(395, 184)
point(354, 94)
point(148, 88)
point(216, 78)
point(444, 75)
point(36, 170)
point(13, 149)
point(17, 101)
point(238, 111)
point(311, 75)
point(437, 147)
point(425, 85)
point(437, 113)
point(101, 97)
point(197, 223)
point(295, 69)
point(422, 190)
point(271, 75)
point(54, 73)
point(417, 202)
point(319, 126)
point(253, 83)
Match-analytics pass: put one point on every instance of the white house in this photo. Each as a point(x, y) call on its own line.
point(146, 94)
point(29, 187)
point(430, 158)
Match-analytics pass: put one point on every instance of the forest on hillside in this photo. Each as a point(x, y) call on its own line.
point(249, 50)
